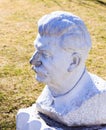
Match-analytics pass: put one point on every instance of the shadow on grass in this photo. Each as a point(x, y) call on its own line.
point(101, 2)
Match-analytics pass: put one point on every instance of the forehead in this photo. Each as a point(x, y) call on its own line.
point(45, 42)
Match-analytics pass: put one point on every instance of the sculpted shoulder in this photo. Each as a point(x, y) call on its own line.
point(99, 82)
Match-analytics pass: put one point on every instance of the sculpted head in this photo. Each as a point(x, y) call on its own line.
point(62, 46)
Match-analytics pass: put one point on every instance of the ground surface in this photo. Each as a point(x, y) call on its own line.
point(18, 29)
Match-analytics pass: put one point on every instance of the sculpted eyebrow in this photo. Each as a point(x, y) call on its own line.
point(42, 49)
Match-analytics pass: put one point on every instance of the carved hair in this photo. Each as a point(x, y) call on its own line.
point(69, 28)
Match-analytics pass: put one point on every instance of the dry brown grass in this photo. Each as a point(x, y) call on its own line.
point(18, 29)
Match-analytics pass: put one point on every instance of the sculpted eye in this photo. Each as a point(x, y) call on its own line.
point(46, 55)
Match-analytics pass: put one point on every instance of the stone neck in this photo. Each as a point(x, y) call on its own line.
point(68, 85)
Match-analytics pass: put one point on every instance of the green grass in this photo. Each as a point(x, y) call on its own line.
point(18, 28)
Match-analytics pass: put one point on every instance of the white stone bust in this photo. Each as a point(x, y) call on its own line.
point(72, 95)
point(62, 46)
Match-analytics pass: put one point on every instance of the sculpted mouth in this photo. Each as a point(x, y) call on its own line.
point(35, 69)
point(39, 70)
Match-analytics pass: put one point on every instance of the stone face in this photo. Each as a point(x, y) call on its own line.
point(72, 96)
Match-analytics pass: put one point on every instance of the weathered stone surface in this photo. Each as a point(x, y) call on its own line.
point(59, 126)
point(72, 95)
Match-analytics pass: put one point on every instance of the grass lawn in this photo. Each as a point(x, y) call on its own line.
point(18, 29)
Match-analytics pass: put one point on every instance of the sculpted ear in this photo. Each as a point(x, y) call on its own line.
point(74, 62)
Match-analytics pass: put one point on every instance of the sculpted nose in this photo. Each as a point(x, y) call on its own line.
point(35, 60)
point(31, 60)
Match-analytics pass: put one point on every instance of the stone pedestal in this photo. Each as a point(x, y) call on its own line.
point(30, 119)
